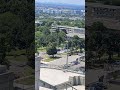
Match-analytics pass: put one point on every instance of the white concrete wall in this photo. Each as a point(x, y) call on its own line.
point(37, 72)
point(77, 80)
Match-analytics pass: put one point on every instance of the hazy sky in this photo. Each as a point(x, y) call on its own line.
point(76, 2)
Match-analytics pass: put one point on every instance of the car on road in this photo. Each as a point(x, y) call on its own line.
point(117, 62)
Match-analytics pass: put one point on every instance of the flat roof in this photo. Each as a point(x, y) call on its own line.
point(70, 27)
point(102, 5)
point(55, 77)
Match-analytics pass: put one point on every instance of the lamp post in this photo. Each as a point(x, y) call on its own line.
point(67, 55)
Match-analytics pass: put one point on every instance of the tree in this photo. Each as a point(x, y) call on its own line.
point(18, 32)
point(76, 42)
point(61, 37)
point(51, 50)
point(46, 31)
point(8, 34)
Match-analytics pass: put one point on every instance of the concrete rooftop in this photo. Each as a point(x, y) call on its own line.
point(55, 77)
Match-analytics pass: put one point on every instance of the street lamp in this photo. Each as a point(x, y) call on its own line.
point(67, 54)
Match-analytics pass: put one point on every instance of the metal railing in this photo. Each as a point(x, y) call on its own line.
point(62, 67)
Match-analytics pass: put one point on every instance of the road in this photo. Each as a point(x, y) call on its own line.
point(62, 61)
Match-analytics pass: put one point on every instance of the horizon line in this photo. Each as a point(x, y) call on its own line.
point(59, 3)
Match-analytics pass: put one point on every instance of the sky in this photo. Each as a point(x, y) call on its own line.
point(75, 2)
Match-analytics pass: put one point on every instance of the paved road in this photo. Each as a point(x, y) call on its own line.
point(57, 62)
point(62, 61)
point(74, 67)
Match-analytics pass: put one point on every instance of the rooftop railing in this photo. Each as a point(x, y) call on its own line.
point(62, 67)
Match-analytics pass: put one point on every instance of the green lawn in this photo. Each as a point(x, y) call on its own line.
point(18, 55)
point(28, 71)
point(21, 58)
point(63, 53)
point(42, 49)
point(51, 59)
point(116, 58)
point(17, 52)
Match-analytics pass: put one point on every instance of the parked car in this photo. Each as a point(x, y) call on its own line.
point(117, 63)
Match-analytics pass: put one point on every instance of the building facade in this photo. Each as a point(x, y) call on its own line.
point(67, 29)
point(107, 14)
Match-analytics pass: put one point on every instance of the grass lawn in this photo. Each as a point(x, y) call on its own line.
point(42, 49)
point(63, 53)
point(116, 58)
point(18, 55)
point(21, 58)
point(28, 71)
point(17, 52)
point(51, 59)
point(16, 59)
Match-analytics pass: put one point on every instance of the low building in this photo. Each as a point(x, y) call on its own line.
point(70, 31)
point(67, 29)
point(107, 14)
point(38, 23)
point(70, 35)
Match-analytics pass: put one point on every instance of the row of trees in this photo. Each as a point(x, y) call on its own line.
point(101, 41)
point(44, 38)
point(65, 22)
point(43, 35)
point(72, 23)
point(17, 30)
point(73, 44)
point(76, 43)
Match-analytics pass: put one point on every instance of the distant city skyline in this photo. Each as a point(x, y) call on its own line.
point(74, 2)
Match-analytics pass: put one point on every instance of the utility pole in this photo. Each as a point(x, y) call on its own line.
point(67, 54)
